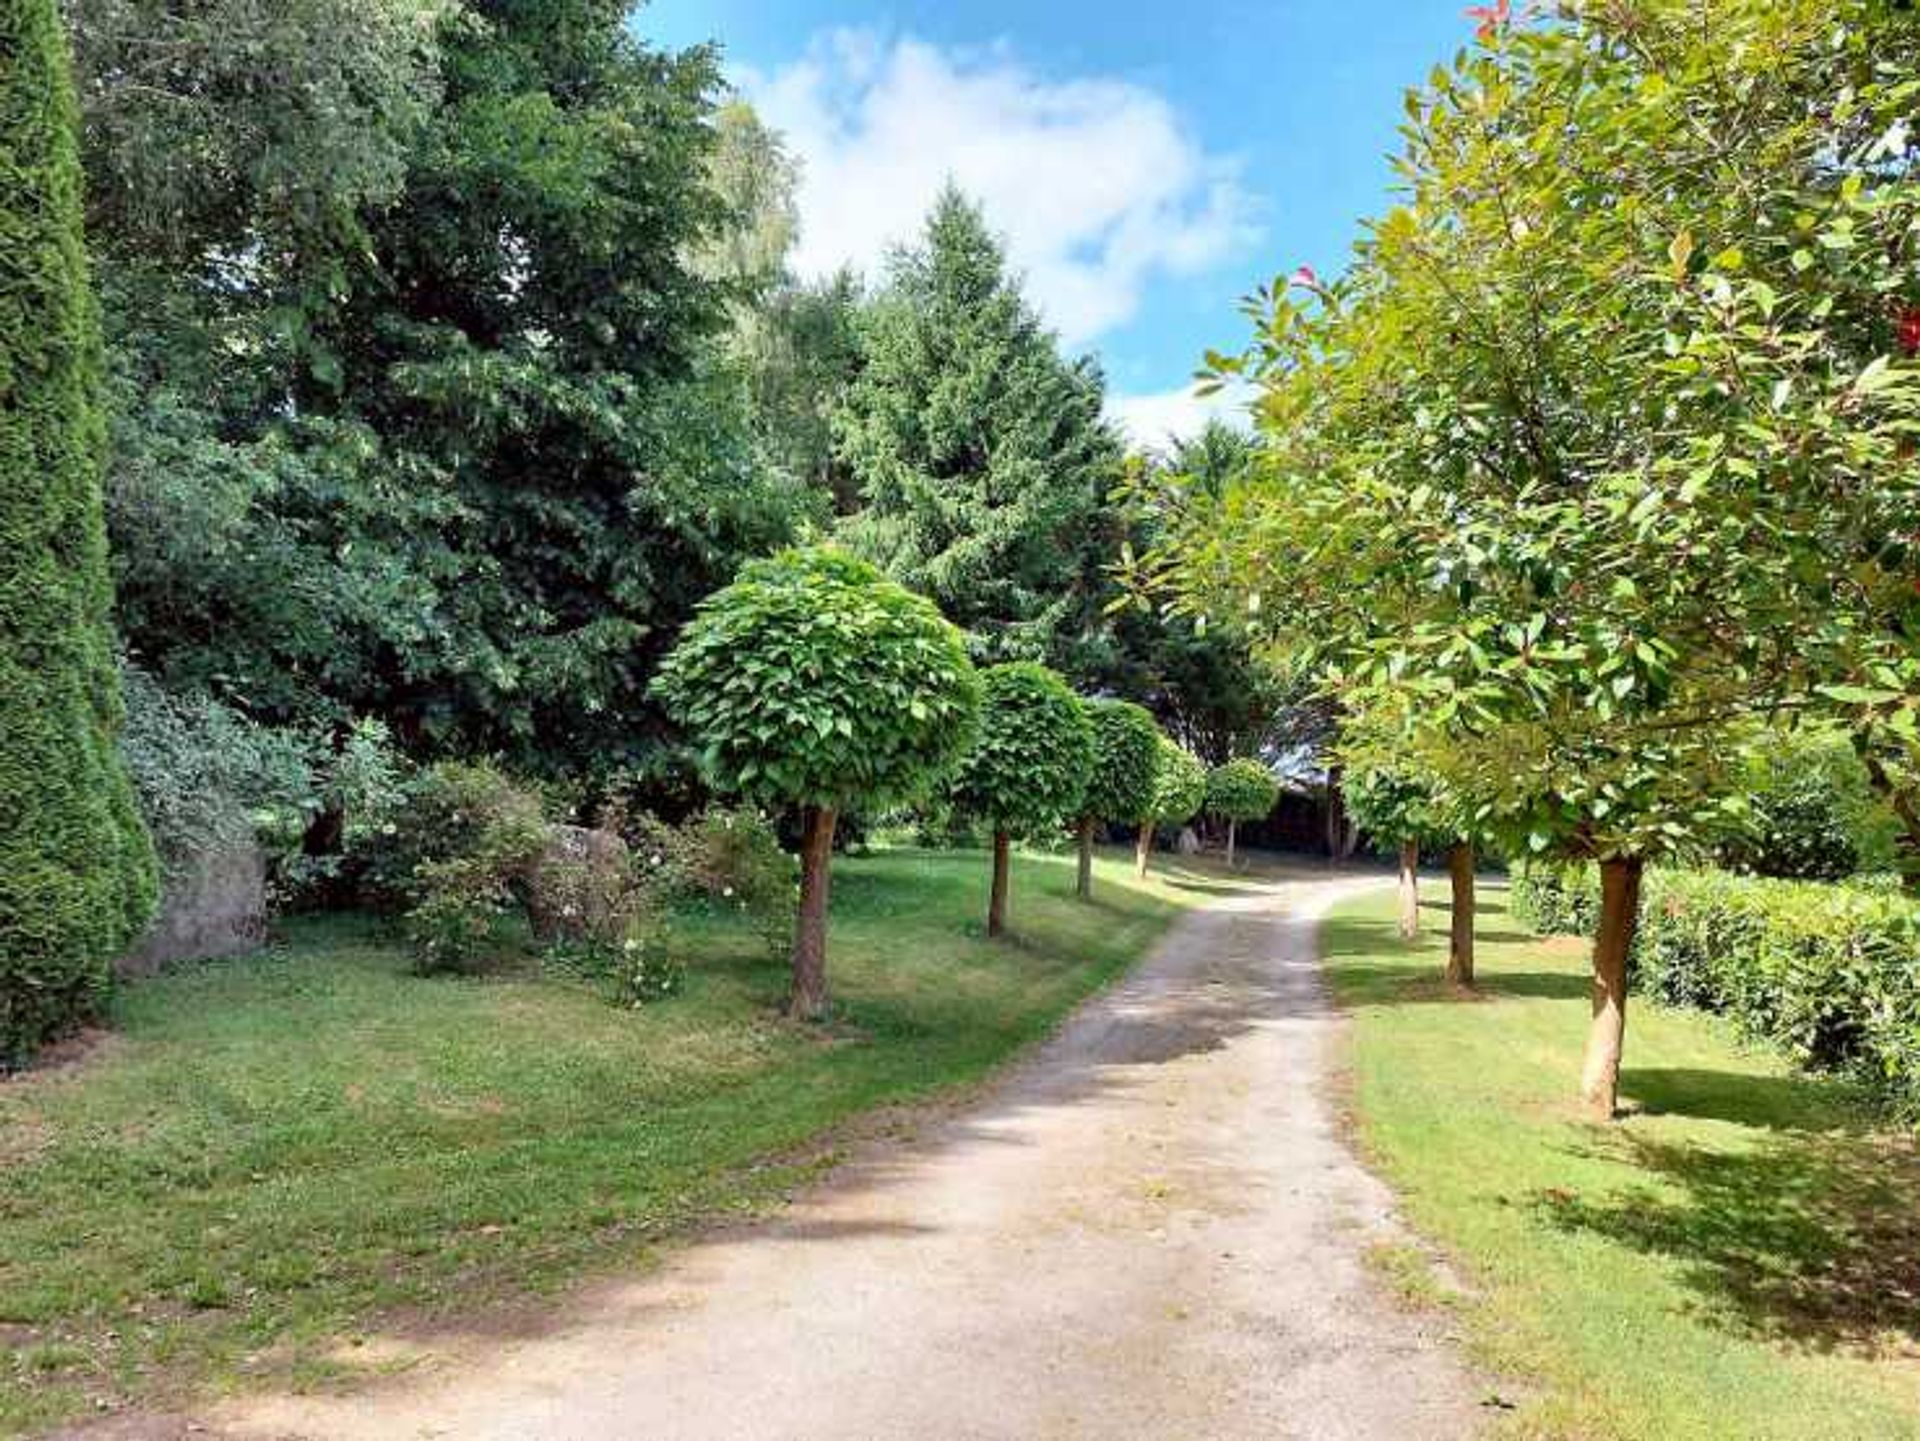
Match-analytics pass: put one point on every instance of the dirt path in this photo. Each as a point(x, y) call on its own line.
point(1150, 1229)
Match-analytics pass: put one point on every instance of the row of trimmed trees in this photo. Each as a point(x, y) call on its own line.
point(1596, 467)
point(813, 681)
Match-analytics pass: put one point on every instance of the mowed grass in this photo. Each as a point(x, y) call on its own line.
point(269, 1155)
point(1740, 1257)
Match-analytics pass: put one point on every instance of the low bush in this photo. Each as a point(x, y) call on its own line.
point(1831, 974)
point(726, 859)
point(1556, 900)
point(464, 840)
point(1813, 815)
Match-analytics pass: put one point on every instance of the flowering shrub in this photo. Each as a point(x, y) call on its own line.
point(725, 860)
point(470, 835)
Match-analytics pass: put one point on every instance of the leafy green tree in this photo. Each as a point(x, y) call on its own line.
point(812, 681)
point(1595, 454)
point(981, 456)
point(77, 869)
point(1179, 790)
point(1410, 814)
point(1242, 789)
point(1197, 673)
point(464, 445)
point(1028, 767)
point(1121, 782)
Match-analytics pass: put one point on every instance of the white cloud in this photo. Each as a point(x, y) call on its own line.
point(1096, 183)
point(1152, 422)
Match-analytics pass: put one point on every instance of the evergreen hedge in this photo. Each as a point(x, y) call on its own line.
point(77, 872)
point(1829, 973)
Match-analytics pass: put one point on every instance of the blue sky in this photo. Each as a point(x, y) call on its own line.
point(1148, 163)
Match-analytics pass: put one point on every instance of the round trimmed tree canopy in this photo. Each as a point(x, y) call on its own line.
point(813, 679)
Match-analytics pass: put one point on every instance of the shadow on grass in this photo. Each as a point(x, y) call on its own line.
point(1356, 946)
point(1811, 1238)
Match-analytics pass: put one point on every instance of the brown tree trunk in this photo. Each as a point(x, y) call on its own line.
point(997, 902)
point(1342, 837)
point(808, 1001)
point(1142, 849)
point(1409, 890)
point(1460, 865)
point(1232, 826)
point(1619, 915)
point(1905, 810)
point(1083, 886)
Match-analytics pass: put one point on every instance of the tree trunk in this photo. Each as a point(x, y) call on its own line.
point(808, 1002)
point(1083, 886)
point(1232, 825)
point(1906, 839)
point(1460, 865)
point(1409, 890)
point(1142, 849)
point(1619, 915)
point(997, 902)
point(1342, 837)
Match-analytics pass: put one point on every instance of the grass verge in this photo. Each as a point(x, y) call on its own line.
point(1740, 1256)
point(270, 1155)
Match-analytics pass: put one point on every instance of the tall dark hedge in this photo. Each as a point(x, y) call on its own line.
point(77, 872)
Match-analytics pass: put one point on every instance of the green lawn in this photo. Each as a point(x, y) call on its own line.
point(272, 1154)
point(1738, 1258)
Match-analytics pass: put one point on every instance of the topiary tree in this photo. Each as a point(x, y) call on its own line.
point(1179, 789)
point(813, 681)
point(1240, 790)
point(1027, 769)
point(1399, 810)
point(78, 879)
point(1120, 786)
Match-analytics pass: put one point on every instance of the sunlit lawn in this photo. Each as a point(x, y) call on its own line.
point(1738, 1258)
point(272, 1153)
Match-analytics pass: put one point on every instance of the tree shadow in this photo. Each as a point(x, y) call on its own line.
point(1810, 1238)
point(1774, 1103)
point(1414, 975)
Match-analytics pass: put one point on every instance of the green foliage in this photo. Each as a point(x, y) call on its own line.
point(1242, 789)
point(206, 776)
point(1126, 761)
point(1831, 974)
point(981, 456)
point(1517, 508)
point(1179, 785)
point(725, 860)
point(77, 869)
point(1394, 807)
point(1812, 814)
point(1556, 899)
point(414, 454)
point(464, 841)
point(1026, 771)
point(813, 680)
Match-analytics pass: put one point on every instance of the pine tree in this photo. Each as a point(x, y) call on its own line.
point(981, 457)
point(77, 871)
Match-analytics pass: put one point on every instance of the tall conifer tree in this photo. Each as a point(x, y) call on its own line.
point(77, 872)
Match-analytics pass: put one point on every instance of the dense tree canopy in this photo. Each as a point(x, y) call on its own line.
point(482, 451)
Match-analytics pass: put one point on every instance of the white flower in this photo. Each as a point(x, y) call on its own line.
point(727, 891)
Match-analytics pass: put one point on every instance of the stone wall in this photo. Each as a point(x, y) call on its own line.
point(214, 905)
